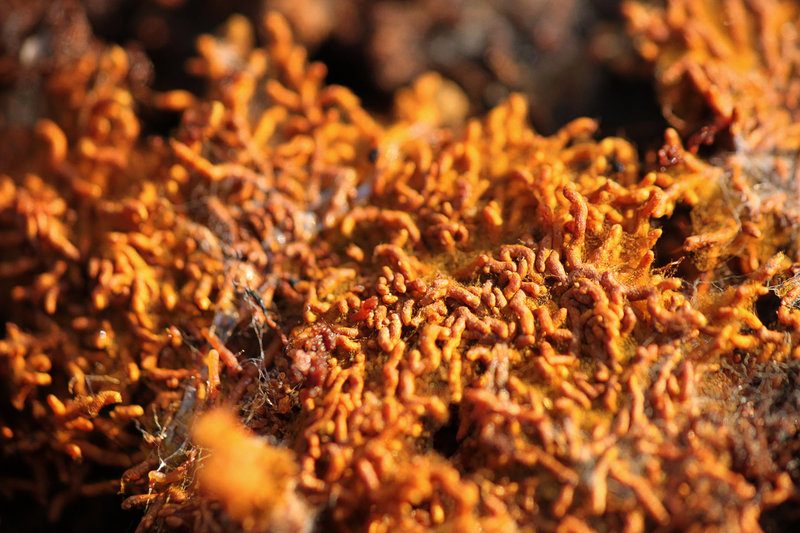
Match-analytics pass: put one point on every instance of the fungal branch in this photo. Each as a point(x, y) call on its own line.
point(319, 319)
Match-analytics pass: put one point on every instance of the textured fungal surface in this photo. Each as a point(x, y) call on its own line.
point(289, 313)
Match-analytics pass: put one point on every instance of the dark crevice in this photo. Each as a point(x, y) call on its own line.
point(444, 440)
point(767, 306)
point(628, 108)
point(23, 512)
point(669, 248)
point(784, 517)
point(349, 65)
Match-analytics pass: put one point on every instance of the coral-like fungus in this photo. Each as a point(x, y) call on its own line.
point(727, 75)
point(253, 480)
point(291, 316)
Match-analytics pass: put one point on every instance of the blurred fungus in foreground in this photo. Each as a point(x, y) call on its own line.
point(253, 480)
point(428, 322)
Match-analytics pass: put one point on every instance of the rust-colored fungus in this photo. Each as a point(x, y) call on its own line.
point(290, 315)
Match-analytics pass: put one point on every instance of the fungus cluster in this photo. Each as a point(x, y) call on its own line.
point(289, 314)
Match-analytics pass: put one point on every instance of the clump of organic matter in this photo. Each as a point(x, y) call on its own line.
point(290, 315)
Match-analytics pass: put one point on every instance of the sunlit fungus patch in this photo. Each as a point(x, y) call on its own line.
point(291, 312)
